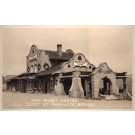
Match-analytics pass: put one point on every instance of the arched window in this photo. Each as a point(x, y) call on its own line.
point(79, 57)
point(33, 50)
point(46, 66)
point(68, 65)
point(28, 69)
point(39, 66)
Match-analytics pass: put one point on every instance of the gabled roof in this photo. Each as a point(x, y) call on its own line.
point(102, 67)
point(21, 76)
point(54, 56)
point(26, 74)
point(50, 71)
point(11, 78)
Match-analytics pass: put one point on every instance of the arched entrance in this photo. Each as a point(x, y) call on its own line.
point(105, 86)
point(67, 84)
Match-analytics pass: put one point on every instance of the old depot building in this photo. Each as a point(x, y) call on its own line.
point(66, 73)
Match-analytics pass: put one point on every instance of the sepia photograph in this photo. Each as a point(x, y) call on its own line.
point(67, 67)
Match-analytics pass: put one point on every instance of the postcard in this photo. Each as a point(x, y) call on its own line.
point(67, 67)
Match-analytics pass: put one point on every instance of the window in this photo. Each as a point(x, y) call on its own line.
point(39, 67)
point(31, 69)
point(51, 78)
point(28, 69)
point(35, 68)
point(46, 66)
point(28, 84)
point(79, 57)
point(40, 84)
point(68, 65)
point(85, 73)
point(67, 74)
point(33, 50)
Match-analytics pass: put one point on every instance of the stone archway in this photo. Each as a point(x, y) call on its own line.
point(67, 82)
point(105, 87)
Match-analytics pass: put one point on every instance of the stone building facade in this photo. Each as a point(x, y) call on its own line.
point(66, 73)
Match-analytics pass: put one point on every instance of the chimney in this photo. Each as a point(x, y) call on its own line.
point(59, 49)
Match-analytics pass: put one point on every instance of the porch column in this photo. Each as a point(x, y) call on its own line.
point(76, 89)
point(59, 87)
point(42, 88)
point(10, 86)
point(30, 85)
point(124, 86)
point(27, 85)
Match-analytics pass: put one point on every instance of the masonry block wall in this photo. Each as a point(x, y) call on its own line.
point(41, 59)
point(96, 83)
point(76, 89)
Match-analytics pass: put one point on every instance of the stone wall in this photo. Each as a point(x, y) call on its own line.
point(96, 78)
point(42, 58)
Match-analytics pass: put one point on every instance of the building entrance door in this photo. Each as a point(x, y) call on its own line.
point(67, 84)
point(86, 87)
point(105, 86)
point(45, 87)
point(23, 86)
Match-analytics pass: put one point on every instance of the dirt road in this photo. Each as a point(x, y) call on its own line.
point(17, 100)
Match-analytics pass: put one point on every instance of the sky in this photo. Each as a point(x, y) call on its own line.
point(99, 44)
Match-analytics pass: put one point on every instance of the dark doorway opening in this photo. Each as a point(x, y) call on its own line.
point(67, 85)
point(23, 86)
point(90, 93)
point(106, 86)
point(35, 84)
point(83, 85)
point(45, 87)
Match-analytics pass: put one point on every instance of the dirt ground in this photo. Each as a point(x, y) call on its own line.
point(17, 100)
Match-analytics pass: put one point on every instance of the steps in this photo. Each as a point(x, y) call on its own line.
point(115, 96)
point(109, 97)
